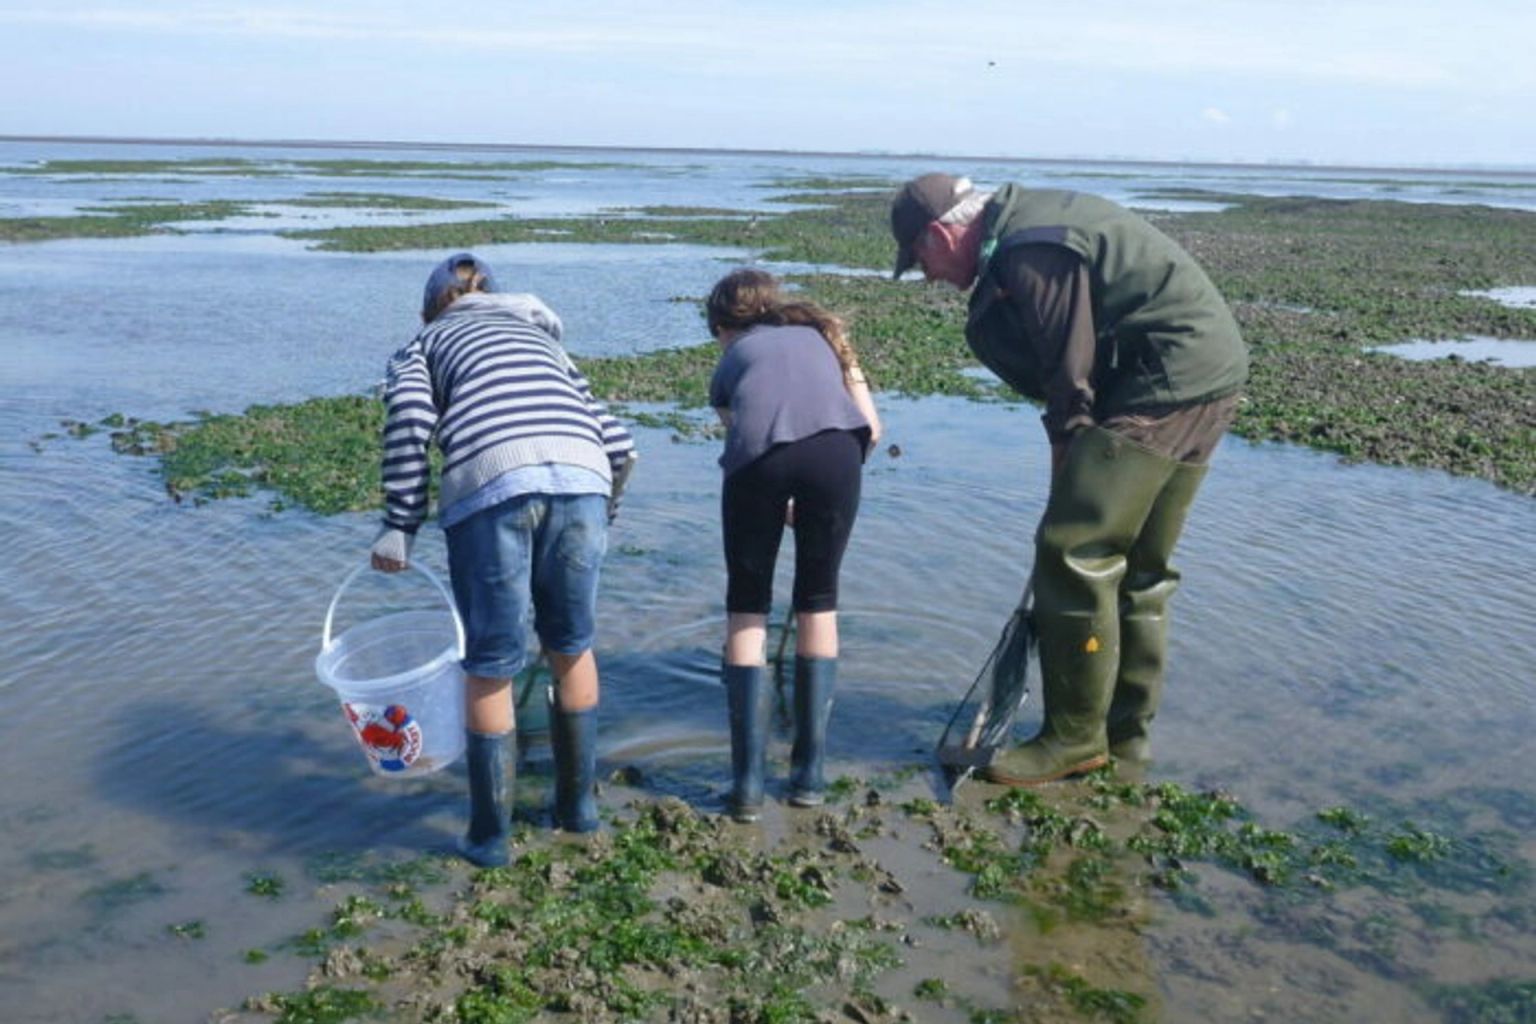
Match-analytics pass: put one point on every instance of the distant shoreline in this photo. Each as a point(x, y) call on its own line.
point(516, 147)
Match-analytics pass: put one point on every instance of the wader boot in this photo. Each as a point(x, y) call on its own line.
point(1098, 504)
point(746, 698)
point(815, 679)
point(492, 763)
point(573, 741)
point(1150, 581)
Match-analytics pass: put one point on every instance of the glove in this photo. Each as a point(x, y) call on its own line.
point(391, 549)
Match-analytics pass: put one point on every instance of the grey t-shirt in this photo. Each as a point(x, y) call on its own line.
point(781, 384)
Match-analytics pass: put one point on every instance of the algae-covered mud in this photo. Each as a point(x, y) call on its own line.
point(128, 219)
point(890, 906)
point(1315, 284)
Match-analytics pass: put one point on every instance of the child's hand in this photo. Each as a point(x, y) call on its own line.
point(391, 551)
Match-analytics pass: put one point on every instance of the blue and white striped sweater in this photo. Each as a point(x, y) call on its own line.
point(489, 381)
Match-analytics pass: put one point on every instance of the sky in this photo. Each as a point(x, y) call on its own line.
point(1400, 83)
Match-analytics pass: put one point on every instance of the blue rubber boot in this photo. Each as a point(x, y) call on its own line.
point(815, 679)
point(573, 740)
point(492, 761)
point(746, 697)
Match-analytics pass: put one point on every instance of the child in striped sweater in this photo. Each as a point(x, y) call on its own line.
point(533, 469)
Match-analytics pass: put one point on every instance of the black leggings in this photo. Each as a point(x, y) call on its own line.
point(822, 474)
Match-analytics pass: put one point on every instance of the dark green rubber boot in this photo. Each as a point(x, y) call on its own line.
point(815, 679)
point(1150, 581)
point(573, 741)
point(1099, 501)
point(746, 698)
point(492, 763)
point(1076, 690)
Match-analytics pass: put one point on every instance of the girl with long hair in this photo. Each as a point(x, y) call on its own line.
point(799, 422)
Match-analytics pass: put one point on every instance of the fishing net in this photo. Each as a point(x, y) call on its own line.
point(982, 721)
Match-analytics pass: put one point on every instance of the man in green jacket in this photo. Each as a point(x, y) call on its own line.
point(1081, 304)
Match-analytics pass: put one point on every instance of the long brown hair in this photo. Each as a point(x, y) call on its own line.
point(748, 297)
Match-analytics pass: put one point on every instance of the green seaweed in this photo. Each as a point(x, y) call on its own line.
point(323, 1005)
point(1314, 283)
point(1100, 1003)
point(120, 220)
point(669, 911)
point(1501, 1001)
point(377, 201)
point(603, 906)
point(266, 884)
point(124, 892)
point(62, 860)
point(312, 454)
point(931, 989)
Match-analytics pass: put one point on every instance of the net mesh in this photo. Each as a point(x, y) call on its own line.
point(986, 713)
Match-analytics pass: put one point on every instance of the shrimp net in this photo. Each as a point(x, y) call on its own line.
point(985, 716)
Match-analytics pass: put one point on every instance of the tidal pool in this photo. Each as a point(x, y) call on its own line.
point(1501, 351)
point(1519, 297)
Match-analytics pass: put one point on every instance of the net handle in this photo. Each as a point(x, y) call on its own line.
point(330, 613)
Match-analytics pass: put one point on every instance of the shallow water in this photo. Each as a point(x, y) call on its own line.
point(1346, 634)
point(1519, 297)
point(1501, 351)
point(744, 181)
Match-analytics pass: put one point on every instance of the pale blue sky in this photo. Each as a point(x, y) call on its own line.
point(1331, 81)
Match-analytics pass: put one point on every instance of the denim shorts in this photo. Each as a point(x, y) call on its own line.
point(538, 550)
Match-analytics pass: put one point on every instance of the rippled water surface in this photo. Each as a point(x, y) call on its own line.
point(1346, 634)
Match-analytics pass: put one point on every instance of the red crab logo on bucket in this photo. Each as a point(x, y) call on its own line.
point(389, 735)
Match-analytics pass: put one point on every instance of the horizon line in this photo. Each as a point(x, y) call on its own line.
point(1272, 163)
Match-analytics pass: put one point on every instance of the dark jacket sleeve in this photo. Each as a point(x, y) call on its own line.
point(1049, 287)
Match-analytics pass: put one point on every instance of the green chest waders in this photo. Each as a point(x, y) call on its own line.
point(1099, 504)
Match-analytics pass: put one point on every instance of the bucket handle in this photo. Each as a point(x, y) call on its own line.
point(330, 613)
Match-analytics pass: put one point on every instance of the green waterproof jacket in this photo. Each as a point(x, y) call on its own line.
point(1163, 335)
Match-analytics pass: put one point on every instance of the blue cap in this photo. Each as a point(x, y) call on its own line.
point(444, 277)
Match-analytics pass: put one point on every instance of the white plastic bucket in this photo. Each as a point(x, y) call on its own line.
point(399, 682)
